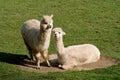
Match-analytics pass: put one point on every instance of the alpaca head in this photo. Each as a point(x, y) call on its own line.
point(47, 22)
point(58, 33)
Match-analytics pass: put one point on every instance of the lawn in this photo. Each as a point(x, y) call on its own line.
point(84, 21)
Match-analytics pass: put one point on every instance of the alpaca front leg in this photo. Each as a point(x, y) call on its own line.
point(45, 56)
point(37, 57)
point(66, 66)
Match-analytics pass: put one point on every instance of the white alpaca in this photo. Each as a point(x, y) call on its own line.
point(36, 35)
point(74, 55)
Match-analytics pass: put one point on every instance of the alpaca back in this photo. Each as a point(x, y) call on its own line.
point(31, 28)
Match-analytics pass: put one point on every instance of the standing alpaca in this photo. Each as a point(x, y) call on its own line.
point(74, 55)
point(36, 35)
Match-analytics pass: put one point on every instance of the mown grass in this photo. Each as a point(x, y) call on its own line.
point(84, 21)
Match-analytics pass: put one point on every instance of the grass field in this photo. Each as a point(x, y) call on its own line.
point(84, 21)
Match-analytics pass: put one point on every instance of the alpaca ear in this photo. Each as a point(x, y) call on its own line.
point(44, 16)
point(51, 16)
point(63, 33)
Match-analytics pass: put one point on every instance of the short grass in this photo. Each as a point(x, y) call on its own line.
point(84, 21)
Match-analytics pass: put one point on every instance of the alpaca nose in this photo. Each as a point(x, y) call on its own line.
point(48, 26)
point(55, 35)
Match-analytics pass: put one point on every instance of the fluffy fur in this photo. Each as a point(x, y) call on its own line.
point(74, 55)
point(36, 35)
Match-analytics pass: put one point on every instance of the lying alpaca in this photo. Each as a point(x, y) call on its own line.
point(36, 36)
point(76, 54)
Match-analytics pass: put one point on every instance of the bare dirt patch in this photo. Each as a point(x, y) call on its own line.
point(31, 66)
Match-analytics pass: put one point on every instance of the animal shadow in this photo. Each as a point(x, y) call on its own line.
point(12, 58)
point(24, 60)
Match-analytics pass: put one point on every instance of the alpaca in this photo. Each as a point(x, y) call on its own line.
point(75, 55)
point(36, 35)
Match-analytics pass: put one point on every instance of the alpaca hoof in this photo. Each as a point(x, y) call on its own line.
point(49, 65)
point(60, 66)
point(31, 60)
point(38, 68)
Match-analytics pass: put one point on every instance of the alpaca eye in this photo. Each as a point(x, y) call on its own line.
point(59, 32)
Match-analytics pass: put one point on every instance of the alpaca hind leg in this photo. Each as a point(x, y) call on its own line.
point(45, 56)
point(30, 50)
point(37, 57)
point(32, 55)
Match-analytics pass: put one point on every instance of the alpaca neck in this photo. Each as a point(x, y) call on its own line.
point(60, 46)
point(44, 39)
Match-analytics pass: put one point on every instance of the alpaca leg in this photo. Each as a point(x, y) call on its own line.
point(30, 51)
point(37, 57)
point(45, 56)
point(32, 56)
point(66, 66)
point(69, 64)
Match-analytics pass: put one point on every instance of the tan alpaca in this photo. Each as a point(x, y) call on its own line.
point(74, 55)
point(36, 35)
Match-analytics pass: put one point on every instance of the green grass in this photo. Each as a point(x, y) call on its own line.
point(84, 21)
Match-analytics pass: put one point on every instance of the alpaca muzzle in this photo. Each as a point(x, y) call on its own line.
point(48, 26)
point(55, 35)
